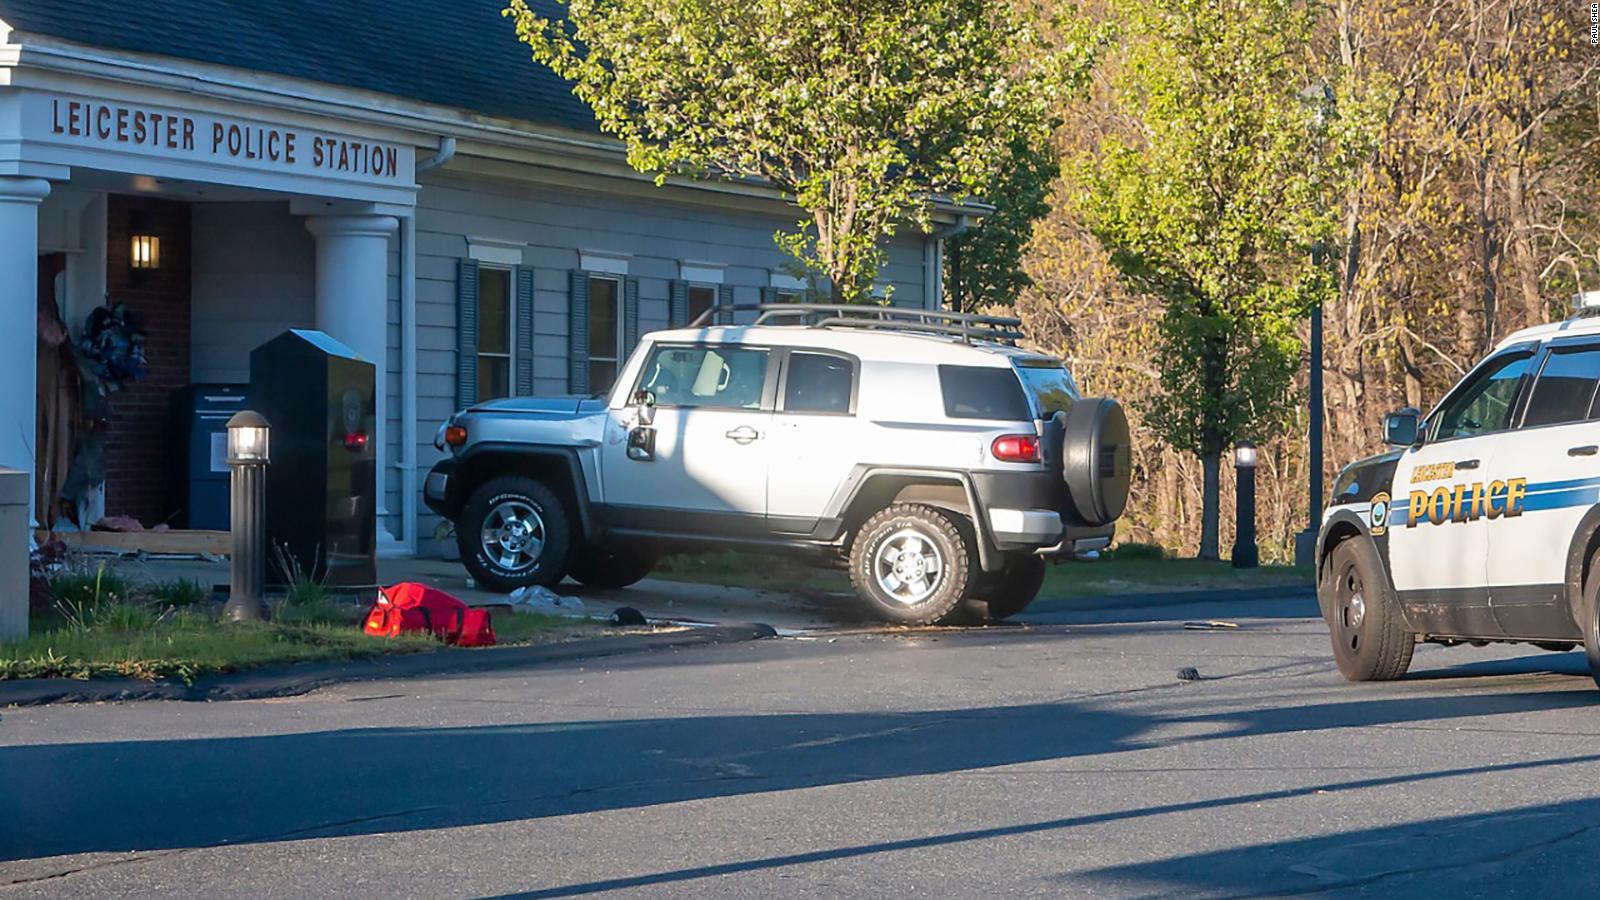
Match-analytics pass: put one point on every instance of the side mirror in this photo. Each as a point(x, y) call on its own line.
point(1403, 428)
point(646, 404)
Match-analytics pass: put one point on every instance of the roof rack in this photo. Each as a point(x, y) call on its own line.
point(967, 326)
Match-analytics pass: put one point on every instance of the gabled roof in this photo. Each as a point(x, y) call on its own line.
point(455, 53)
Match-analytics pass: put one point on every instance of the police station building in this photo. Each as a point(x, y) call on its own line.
point(400, 176)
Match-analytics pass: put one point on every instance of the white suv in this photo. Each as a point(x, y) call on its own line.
point(1483, 524)
point(924, 450)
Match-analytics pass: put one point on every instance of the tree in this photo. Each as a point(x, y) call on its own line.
point(860, 110)
point(1208, 201)
point(983, 267)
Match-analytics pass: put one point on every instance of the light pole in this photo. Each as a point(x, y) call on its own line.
point(1245, 553)
point(248, 455)
point(1305, 543)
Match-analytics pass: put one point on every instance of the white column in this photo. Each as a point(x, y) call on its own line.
point(19, 320)
point(353, 308)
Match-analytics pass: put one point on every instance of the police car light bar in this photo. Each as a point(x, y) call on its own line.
point(1586, 303)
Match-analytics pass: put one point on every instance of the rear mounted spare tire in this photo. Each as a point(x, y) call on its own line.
point(1096, 460)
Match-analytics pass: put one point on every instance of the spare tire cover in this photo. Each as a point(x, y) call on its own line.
point(1097, 460)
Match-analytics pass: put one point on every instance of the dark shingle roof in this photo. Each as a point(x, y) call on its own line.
point(456, 53)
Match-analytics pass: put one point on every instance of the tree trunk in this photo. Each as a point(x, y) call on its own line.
point(1210, 497)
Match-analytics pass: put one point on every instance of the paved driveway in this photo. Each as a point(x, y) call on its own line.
point(1058, 760)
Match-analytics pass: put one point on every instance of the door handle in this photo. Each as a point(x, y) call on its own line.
point(744, 434)
point(1587, 450)
point(1467, 464)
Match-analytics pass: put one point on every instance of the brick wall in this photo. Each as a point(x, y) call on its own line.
point(136, 444)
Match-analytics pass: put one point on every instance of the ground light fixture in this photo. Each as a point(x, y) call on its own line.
point(1245, 553)
point(249, 452)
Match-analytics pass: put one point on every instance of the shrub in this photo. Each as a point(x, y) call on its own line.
point(1136, 550)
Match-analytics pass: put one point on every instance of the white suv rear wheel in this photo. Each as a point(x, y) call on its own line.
point(911, 564)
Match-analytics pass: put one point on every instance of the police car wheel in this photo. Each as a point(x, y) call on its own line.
point(1589, 616)
point(1370, 642)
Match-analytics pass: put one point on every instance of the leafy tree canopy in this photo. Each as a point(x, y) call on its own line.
point(861, 110)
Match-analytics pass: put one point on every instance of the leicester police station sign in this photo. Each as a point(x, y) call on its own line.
point(205, 146)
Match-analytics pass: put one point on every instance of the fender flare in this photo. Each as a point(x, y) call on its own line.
point(1582, 537)
point(455, 491)
point(863, 476)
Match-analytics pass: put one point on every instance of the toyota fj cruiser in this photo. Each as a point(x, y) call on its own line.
point(923, 450)
point(1483, 524)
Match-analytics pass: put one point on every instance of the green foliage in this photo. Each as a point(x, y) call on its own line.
point(1136, 550)
point(983, 267)
point(858, 109)
point(1211, 205)
point(176, 592)
point(301, 587)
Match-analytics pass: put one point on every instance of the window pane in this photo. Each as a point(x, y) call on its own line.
point(818, 384)
point(494, 377)
point(980, 392)
point(601, 376)
point(1485, 404)
point(602, 319)
point(494, 311)
point(1564, 389)
point(723, 377)
point(700, 300)
point(1052, 387)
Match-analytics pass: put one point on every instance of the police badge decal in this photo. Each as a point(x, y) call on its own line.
point(1379, 521)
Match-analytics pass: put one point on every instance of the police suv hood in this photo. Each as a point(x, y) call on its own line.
point(543, 406)
point(1361, 479)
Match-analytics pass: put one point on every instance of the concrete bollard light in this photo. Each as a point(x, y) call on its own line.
point(15, 488)
point(248, 455)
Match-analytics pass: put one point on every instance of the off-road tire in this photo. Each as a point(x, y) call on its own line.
point(948, 586)
point(1370, 640)
point(611, 567)
point(514, 492)
point(1001, 595)
point(1589, 616)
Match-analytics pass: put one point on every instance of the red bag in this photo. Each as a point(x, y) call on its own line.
point(411, 608)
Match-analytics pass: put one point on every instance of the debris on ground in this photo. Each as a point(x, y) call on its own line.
point(627, 617)
point(1188, 673)
point(1209, 625)
point(539, 598)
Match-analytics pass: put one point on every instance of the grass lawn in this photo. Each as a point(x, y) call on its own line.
point(1079, 578)
point(101, 626)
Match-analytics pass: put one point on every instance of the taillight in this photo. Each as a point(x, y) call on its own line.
point(455, 435)
point(1016, 448)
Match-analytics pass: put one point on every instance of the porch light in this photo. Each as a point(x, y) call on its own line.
point(146, 251)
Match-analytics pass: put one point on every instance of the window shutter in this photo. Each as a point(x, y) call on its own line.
point(678, 305)
point(524, 351)
point(467, 333)
point(769, 295)
point(578, 334)
point(630, 315)
point(725, 298)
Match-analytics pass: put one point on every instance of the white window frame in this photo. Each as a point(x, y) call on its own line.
point(510, 355)
point(617, 350)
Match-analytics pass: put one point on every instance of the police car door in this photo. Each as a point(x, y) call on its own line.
point(1547, 473)
point(1438, 536)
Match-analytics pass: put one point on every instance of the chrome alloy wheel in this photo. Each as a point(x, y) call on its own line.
point(513, 535)
point(907, 566)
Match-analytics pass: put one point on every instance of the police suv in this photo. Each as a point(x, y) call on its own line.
point(1483, 523)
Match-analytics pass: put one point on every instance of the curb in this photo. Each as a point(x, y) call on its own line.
point(1111, 602)
point(293, 680)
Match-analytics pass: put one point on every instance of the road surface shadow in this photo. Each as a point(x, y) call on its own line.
point(184, 793)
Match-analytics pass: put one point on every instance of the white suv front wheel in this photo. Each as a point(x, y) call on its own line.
point(911, 564)
point(513, 532)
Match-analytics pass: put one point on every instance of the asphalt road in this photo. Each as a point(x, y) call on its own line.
point(1062, 760)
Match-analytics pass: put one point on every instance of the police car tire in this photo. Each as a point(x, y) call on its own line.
point(952, 583)
point(518, 492)
point(1589, 616)
point(1370, 641)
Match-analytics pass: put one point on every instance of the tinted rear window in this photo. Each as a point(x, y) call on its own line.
point(981, 392)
